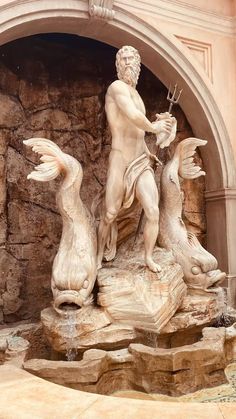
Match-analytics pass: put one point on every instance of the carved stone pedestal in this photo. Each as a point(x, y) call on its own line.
point(96, 330)
point(136, 306)
point(199, 308)
point(138, 297)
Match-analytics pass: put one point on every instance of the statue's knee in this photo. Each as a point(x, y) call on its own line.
point(110, 216)
point(153, 213)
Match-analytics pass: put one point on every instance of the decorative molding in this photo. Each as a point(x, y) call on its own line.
point(201, 51)
point(101, 9)
point(181, 12)
point(220, 194)
point(175, 11)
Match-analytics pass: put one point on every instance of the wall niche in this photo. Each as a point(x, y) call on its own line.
point(54, 86)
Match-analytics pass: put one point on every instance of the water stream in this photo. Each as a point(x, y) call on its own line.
point(70, 335)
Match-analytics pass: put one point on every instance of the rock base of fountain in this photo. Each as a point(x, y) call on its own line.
point(168, 351)
point(140, 298)
point(145, 333)
point(135, 305)
point(91, 327)
point(173, 371)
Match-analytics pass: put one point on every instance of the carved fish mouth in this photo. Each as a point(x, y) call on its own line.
point(68, 301)
point(204, 280)
point(217, 276)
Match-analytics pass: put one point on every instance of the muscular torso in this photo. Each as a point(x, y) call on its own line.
point(127, 139)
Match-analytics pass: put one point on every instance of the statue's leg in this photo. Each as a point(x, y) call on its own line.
point(113, 201)
point(103, 232)
point(147, 194)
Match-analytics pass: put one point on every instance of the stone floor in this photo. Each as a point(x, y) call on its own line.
point(24, 396)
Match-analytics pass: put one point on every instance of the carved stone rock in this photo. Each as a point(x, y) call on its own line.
point(136, 296)
point(10, 289)
point(198, 308)
point(23, 341)
point(72, 328)
point(12, 113)
point(134, 300)
point(172, 371)
point(218, 394)
point(97, 331)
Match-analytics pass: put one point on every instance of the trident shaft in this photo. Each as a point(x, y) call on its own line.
point(173, 99)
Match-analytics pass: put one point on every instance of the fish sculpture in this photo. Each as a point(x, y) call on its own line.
point(199, 266)
point(74, 268)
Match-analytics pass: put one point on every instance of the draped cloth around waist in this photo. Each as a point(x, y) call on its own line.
point(131, 176)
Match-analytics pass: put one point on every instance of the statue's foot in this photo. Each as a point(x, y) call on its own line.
point(154, 267)
point(99, 264)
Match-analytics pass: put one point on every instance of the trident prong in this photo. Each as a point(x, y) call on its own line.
point(171, 97)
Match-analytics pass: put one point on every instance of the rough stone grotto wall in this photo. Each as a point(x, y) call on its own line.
point(53, 86)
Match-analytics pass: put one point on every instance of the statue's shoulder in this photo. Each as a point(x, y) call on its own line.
point(117, 86)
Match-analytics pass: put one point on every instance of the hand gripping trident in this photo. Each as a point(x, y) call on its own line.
point(173, 99)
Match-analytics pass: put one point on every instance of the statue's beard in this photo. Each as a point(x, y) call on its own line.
point(129, 76)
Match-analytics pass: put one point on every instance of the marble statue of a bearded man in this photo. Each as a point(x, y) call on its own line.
point(130, 174)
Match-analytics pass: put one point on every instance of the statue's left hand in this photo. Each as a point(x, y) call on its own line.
point(167, 135)
point(154, 160)
point(162, 126)
point(163, 115)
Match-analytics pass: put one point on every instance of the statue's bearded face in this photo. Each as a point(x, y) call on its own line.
point(128, 65)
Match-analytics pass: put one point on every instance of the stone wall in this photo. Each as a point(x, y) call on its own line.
point(53, 86)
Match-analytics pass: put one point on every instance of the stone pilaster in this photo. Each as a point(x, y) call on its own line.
point(221, 233)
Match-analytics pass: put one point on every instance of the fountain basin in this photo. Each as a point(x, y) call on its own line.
point(23, 393)
point(173, 371)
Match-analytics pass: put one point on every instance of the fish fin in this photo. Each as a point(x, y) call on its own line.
point(54, 161)
point(186, 150)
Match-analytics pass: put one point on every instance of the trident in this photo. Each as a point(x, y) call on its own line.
point(173, 101)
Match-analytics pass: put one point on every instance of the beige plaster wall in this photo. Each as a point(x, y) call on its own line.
point(222, 7)
point(225, 7)
point(215, 38)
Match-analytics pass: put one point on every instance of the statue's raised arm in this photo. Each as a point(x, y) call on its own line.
point(119, 96)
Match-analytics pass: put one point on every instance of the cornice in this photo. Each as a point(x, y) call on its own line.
point(175, 11)
point(183, 13)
